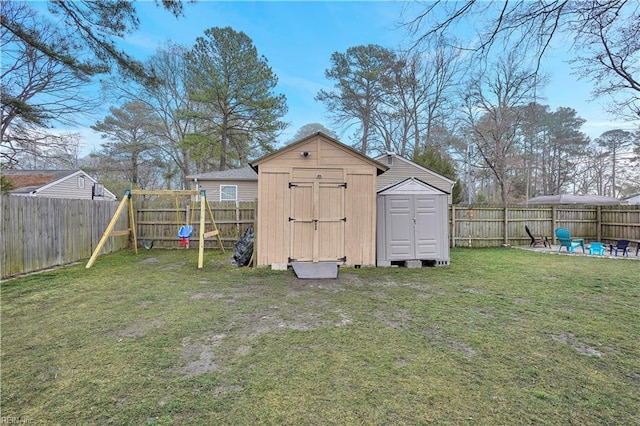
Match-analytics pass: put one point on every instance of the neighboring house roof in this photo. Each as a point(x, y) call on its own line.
point(244, 173)
point(26, 181)
point(572, 199)
point(412, 185)
point(395, 156)
point(381, 168)
point(632, 199)
point(32, 182)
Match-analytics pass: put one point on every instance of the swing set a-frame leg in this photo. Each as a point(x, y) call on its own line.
point(214, 232)
point(202, 234)
point(109, 231)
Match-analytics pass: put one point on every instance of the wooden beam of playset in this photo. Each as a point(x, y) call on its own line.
point(203, 200)
point(214, 232)
point(107, 233)
point(165, 192)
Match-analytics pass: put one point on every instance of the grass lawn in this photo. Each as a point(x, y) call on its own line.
point(501, 337)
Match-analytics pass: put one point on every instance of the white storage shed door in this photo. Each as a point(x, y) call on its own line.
point(412, 227)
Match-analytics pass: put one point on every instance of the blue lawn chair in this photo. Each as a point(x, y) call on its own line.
point(566, 241)
point(596, 248)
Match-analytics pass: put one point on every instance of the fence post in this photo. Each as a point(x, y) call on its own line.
point(599, 223)
point(553, 224)
point(506, 225)
point(453, 225)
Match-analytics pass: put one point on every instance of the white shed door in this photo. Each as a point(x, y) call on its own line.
point(400, 239)
point(411, 227)
point(317, 221)
point(426, 227)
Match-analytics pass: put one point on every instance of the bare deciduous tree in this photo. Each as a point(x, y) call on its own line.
point(608, 32)
point(46, 65)
point(35, 89)
point(493, 100)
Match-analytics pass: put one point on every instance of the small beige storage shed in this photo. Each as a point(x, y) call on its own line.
point(412, 224)
point(316, 203)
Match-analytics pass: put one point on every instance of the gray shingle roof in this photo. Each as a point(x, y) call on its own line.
point(572, 199)
point(244, 173)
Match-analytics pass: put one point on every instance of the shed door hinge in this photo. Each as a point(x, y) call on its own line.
point(291, 219)
point(291, 184)
point(342, 259)
point(344, 185)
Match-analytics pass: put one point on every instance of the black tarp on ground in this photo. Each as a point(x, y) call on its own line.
point(243, 248)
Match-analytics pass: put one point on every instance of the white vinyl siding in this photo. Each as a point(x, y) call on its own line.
point(68, 187)
point(247, 190)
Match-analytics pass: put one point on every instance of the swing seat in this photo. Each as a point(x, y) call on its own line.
point(185, 231)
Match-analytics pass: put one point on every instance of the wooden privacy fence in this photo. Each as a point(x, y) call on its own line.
point(498, 225)
point(161, 225)
point(39, 233)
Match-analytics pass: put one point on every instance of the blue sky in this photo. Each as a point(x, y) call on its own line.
point(298, 39)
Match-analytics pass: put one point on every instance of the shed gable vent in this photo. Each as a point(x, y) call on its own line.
point(389, 160)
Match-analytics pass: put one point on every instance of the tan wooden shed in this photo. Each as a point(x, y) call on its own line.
point(316, 203)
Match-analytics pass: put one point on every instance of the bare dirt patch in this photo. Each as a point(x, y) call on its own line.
point(435, 336)
point(200, 296)
point(466, 350)
point(570, 339)
point(394, 319)
point(330, 285)
point(140, 328)
point(302, 318)
point(199, 355)
point(223, 390)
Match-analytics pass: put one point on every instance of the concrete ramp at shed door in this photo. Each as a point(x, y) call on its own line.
point(315, 270)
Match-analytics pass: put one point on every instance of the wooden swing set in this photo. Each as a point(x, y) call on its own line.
point(184, 230)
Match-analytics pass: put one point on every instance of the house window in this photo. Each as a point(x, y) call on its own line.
point(228, 192)
point(81, 182)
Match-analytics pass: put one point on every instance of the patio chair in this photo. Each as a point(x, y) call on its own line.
point(566, 241)
point(621, 245)
point(536, 240)
point(596, 248)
